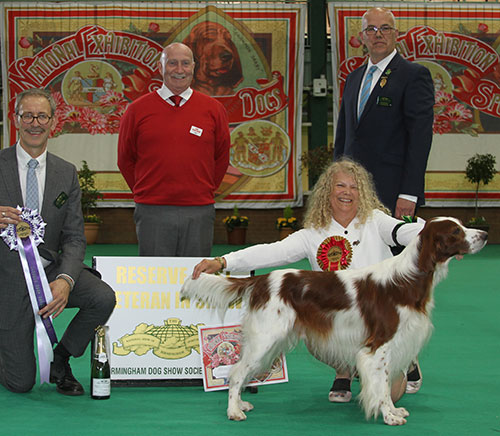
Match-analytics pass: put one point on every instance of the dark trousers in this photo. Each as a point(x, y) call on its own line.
point(96, 301)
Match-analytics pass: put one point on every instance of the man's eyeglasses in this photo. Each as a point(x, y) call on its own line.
point(372, 30)
point(28, 118)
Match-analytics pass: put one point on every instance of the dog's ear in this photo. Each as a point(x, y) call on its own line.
point(442, 248)
point(427, 258)
point(452, 242)
point(440, 240)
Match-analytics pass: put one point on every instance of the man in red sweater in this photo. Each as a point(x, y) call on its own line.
point(173, 151)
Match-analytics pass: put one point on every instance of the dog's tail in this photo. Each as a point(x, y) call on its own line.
point(215, 290)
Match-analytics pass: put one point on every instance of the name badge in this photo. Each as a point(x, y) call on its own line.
point(196, 131)
point(384, 101)
point(61, 199)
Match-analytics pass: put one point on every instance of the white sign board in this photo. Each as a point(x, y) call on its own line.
point(152, 333)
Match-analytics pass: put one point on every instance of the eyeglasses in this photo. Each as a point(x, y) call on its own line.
point(28, 118)
point(384, 30)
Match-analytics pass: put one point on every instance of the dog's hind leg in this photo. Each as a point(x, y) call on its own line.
point(264, 337)
point(375, 372)
point(238, 377)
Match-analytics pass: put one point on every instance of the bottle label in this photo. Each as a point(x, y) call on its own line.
point(101, 387)
point(102, 357)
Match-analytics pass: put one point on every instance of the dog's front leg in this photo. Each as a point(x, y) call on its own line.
point(375, 372)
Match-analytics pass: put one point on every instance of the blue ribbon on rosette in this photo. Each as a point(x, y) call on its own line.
point(25, 238)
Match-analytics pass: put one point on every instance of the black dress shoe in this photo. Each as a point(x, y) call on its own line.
point(66, 383)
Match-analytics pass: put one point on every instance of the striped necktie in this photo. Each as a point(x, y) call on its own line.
point(365, 91)
point(32, 185)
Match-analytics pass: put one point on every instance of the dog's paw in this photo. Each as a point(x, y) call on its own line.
point(246, 406)
point(392, 419)
point(401, 411)
point(236, 415)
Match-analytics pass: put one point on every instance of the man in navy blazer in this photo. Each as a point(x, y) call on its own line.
point(386, 126)
point(391, 137)
point(62, 251)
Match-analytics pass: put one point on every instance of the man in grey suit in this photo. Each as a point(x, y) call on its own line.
point(62, 251)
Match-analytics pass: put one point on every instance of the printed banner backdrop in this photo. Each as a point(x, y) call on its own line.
point(460, 44)
point(97, 58)
point(153, 334)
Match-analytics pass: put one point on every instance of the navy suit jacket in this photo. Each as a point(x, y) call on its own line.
point(64, 239)
point(393, 137)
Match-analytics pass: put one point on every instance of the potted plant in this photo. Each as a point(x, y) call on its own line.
point(480, 169)
point(315, 160)
point(287, 223)
point(90, 195)
point(236, 226)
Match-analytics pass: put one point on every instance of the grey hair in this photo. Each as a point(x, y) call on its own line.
point(36, 92)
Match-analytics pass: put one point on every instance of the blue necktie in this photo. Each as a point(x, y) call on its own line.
point(365, 91)
point(32, 185)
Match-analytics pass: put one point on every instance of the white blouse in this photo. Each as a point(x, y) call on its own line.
point(369, 243)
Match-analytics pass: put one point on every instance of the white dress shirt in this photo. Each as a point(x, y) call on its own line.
point(165, 94)
point(381, 66)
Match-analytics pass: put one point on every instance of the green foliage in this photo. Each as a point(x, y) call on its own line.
point(90, 194)
point(480, 169)
point(287, 212)
point(315, 160)
point(235, 220)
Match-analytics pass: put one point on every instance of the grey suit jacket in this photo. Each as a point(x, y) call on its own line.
point(64, 241)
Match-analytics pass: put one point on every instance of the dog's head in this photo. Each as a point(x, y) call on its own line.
point(443, 238)
point(218, 66)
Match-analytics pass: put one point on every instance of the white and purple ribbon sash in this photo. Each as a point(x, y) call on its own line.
point(36, 281)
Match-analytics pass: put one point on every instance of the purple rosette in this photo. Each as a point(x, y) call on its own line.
point(33, 219)
point(24, 238)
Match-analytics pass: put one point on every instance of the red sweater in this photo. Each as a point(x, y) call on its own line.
point(174, 155)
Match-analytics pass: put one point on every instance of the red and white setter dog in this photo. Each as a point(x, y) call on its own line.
point(375, 319)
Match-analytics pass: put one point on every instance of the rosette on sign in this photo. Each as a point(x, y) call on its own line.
point(24, 238)
point(334, 253)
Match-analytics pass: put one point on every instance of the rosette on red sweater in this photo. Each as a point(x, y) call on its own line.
point(334, 253)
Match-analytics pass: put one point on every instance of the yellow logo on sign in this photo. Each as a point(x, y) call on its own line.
point(170, 341)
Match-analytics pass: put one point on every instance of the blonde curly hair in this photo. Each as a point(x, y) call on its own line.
point(319, 211)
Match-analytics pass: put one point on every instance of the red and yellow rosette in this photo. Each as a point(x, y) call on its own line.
point(334, 253)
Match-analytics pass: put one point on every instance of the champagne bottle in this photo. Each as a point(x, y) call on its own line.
point(100, 377)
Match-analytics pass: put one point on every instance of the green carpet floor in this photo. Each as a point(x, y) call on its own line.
point(459, 395)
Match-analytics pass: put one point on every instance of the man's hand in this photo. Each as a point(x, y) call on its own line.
point(404, 207)
point(9, 215)
point(60, 293)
